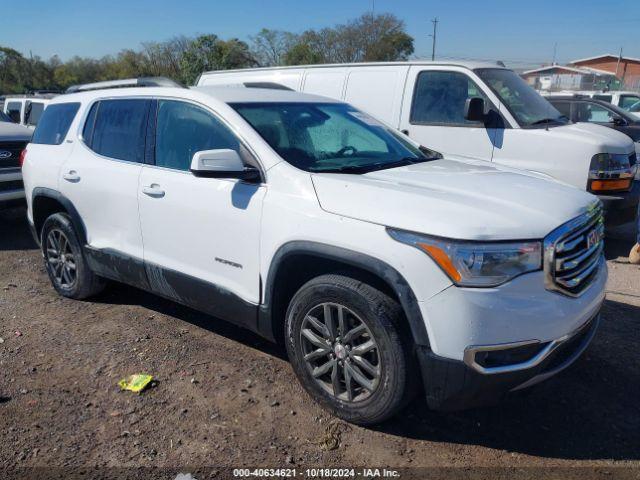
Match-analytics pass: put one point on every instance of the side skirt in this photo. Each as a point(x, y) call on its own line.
point(179, 287)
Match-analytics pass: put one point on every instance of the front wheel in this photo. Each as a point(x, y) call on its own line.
point(346, 349)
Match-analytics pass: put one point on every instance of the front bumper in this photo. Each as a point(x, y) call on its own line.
point(456, 385)
point(621, 208)
point(11, 188)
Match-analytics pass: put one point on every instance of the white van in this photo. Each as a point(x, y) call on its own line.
point(472, 109)
point(26, 109)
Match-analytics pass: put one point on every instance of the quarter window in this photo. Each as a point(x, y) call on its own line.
point(440, 98)
point(33, 112)
point(119, 130)
point(54, 123)
point(604, 98)
point(184, 129)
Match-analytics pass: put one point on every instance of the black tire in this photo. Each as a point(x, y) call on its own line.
point(78, 282)
point(391, 356)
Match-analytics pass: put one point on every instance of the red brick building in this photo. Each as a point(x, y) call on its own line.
point(627, 69)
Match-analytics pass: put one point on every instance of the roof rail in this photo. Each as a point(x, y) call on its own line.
point(125, 83)
point(267, 85)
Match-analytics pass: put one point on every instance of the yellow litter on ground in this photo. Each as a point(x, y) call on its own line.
point(135, 383)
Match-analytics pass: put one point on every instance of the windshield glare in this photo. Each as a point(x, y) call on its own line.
point(328, 137)
point(528, 107)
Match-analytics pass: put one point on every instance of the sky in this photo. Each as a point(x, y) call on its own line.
point(519, 33)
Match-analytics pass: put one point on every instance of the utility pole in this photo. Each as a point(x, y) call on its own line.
point(619, 59)
point(555, 49)
point(433, 35)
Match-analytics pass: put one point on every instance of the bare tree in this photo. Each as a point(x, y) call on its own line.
point(269, 47)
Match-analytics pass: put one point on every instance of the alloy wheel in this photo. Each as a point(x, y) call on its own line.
point(340, 352)
point(60, 258)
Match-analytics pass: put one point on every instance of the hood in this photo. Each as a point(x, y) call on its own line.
point(606, 139)
point(12, 132)
point(454, 198)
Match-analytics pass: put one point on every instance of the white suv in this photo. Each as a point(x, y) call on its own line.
point(381, 265)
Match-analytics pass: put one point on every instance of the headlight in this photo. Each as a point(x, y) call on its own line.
point(476, 264)
point(611, 172)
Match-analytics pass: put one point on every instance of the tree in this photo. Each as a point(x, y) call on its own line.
point(270, 47)
point(302, 53)
point(208, 52)
point(365, 39)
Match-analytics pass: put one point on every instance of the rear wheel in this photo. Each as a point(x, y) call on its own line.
point(345, 347)
point(64, 259)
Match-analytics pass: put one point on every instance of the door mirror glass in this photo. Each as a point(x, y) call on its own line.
point(221, 163)
point(474, 109)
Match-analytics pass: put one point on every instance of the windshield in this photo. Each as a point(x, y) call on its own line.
point(635, 108)
point(4, 117)
point(332, 137)
point(621, 112)
point(528, 107)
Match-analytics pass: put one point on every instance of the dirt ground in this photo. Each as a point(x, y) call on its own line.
point(226, 398)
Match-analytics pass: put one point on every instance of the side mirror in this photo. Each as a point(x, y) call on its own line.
point(222, 163)
point(474, 109)
point(619, 122)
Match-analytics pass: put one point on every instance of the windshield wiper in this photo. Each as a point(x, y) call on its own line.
point(546, 120)
point(373, 167)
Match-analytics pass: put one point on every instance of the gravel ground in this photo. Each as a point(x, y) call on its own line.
point(226, 398)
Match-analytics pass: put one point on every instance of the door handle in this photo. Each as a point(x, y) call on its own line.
point(153, 190)
point(71, 176)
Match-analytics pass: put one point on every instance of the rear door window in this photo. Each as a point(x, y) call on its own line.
point(54, 123)
point(440, 97)
point(563, 107)
point(119, 129)
point(13, 110)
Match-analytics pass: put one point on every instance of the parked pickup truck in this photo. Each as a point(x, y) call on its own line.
point(381, 266)
point(26, 109)
point(477, 110)
point(13, 140)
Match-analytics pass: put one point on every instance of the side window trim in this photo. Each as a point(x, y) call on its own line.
point(150, 136)
point(88, 140)
point(489, 104)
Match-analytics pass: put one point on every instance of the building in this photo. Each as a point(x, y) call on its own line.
point(560, 77)
point(627, 69)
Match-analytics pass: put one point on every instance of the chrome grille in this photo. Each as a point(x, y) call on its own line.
point(573, 252)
